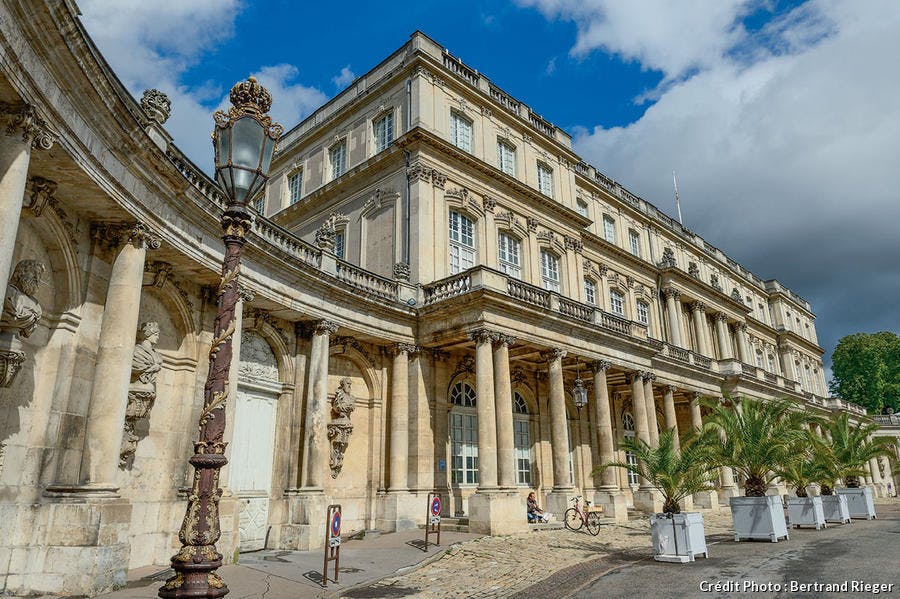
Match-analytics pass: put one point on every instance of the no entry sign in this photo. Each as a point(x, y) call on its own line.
point(435, 506)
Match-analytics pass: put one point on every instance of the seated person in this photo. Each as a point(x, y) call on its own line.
point(535, 513)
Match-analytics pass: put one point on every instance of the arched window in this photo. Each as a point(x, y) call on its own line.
point(643, 314)
point(628, 431)
point(463, 435)
point(617, 302)
point(462, 242)
point(549, 271)
point(522, 440)
point(759, 358)
point(509, 250)
point(771, 361)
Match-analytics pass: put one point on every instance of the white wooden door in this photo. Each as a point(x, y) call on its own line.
point(252, 454)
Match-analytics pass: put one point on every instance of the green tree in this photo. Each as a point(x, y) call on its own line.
point(853, 445)
point(866, 370)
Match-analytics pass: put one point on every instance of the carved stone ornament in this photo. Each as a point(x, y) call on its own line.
point(694, 270)
point(736, 295)
point(327, 233)
point(20, 317)
point(145, 366)
point(340, 428)
point(401, 271)
point(25, 119)
point(574, 244)
point(156, 105)
point(714, 281)
point(438, 179)
point(532, 223)
point(137, 234)
point(599, 365)
point(417, 172)
point(42, 192)
point(668, 259)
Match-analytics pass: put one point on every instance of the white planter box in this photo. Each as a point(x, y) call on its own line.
point(806, 511)
point(835, 508)
point(678, 537)
point(859, 501)
point(758, 518)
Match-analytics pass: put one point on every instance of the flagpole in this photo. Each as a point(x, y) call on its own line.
point(677, 202)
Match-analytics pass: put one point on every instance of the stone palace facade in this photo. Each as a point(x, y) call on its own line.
point(432, 272)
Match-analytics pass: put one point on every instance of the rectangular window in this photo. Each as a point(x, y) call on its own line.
point(582, 208)
point(295, 187)
point(617, 302)
point(609, 229)
point(759, 359)
point(339, 245)
point(771, 363)
point(522, 440)
point(643, 314)
point(631, 459)
point(549, 271)
point(506, 158)
point(635, 240)
point(590, 292)
point(464, 449)
point(259, 204)
point(337, 157)
point(762, 312)
point(462, 243)
point(461, 132)
point(508, 252)
point(384, 132)
point(545, 179)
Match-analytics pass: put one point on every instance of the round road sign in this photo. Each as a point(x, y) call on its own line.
point(436, 506)
point(336, 524)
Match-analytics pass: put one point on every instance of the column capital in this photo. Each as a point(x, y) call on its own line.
point(396, 349)
point(502, 339)
point(648, 376)
point(698, 306)
point(483, 335)
point(741, 326)
point(696, 395)
point(722, 316)
point(671, 388)
point(671, 292)
point(599, 365)
point(554, 353)
point(25, 119)
point(137, 234)
point(245, 294)
point(636, 375)
point(322, 327)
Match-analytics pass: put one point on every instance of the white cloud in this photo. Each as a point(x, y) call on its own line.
point(344, 78)
point(672, 37)
point(789, 163)
point(153, 44)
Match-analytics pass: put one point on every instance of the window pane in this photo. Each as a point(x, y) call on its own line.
point(506, 158)
point(609, 229)
point(643, 313)
point(582, 208)
point(590, 292)
point(338, 158)
point(461, 132)
point(462, 242)
point(549, 271)
point(617, 302)
point(384, 132)
point(545, 180)
point(508, 252)
point(295, 183)
point(339, 244)
point(635, 241)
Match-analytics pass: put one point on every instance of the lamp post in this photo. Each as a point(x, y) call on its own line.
point(244, 141)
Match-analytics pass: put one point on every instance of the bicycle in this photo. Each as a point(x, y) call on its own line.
point(575, 517)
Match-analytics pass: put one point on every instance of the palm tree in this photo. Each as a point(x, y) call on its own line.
point(853, 446)
point(675, 473)
point(756, 441)
point(805, 465)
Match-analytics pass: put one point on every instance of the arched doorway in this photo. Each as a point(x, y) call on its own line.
point(253, 443)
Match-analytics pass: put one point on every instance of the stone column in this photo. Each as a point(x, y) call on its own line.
point(317, 407)
point(112, 370)
point(650, 403)
point(704, 499)
point(729, 484)
point(646, 498)
point(740, 329)
point(24, 130)
point(673, 311)
point(699, 311)
point(399, 435)
point(787, 362)
point(506, 472)
point(487, 416)
point(559, 435)
point(725, 352)
point(669, 409)
point(609, 495)
point(301, 362)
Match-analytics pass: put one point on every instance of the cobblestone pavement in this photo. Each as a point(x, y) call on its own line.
point(504, 566)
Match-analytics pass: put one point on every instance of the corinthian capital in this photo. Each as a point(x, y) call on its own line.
point(137, 234)
point(698, 306)
point(325, 327)
point(671, 292)
point(648, 376)
point(396, 349)
point(554, 353)
point(482, 336)
point(501, 339)
point(599, 365)
point(25, 119)
point(722, 316)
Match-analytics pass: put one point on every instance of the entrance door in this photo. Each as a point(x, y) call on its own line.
point(252, 453)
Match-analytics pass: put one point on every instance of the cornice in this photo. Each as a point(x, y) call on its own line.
point(798, 340)
point(419, 135)
point(688, 282)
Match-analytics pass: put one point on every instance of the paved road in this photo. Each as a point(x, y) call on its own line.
point(866, 551)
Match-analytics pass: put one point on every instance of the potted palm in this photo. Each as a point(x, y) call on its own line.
point(800, 471)
point(853, 446)
point(755, 440)
point(677, 474)
point(834, 506)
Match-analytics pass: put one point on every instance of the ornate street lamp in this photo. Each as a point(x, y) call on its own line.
point(579, 391)
point(244, 141)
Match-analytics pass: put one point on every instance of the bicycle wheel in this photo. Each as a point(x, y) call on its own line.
point(593, 523)
point(573, 519)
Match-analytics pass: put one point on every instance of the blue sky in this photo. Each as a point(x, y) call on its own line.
point(781, 118)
